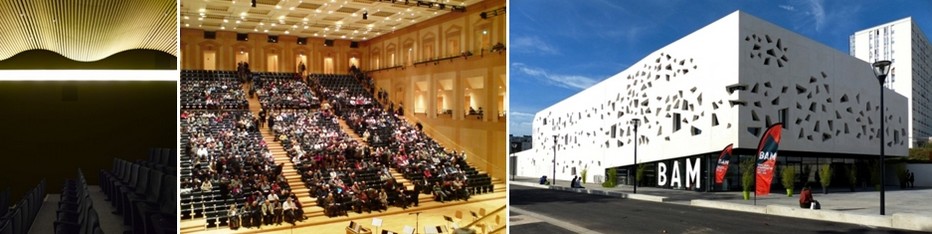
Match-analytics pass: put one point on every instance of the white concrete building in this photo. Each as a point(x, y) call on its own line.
point(725, 83)
point(903, 43)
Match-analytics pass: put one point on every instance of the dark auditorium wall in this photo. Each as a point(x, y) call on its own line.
point(49, 132)
point(130, 59)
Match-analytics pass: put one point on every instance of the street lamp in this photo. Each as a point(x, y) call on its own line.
point(881, 69)
point(636, 122)
point(554, 179)
point(514, 147)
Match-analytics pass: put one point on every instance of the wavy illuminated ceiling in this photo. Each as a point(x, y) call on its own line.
point(87, 30)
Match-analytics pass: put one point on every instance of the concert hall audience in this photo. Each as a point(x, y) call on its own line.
point(230, 157)
point(211, 90)
point(276, 92)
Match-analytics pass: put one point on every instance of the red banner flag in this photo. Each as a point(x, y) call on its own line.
point(722, 167)
point(767, 158)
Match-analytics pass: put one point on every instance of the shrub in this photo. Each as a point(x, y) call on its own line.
point(610, 178)
point(825, 177)
point(788, 177)
point(875, 174)
point(901, 174)
point(583, 173)
point(747, 174)
point(640, 173)
point(852, 176)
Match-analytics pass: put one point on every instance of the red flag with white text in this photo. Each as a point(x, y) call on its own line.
point(767, 158)
point(723, 161)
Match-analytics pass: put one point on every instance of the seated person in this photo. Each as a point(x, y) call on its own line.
point(439, 195)
point(268, 210)
point(806, 201)
point(289, 210)
point(278, 213)
point(233, 215)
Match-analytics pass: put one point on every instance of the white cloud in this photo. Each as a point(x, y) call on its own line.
point(576, 82)
point(532, 44)
point(521, 114)
point(788, 7)
point(818, 13)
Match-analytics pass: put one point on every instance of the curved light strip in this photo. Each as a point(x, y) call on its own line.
point(56, 75)
point(87, 30)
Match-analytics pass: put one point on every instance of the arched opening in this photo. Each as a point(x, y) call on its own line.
point(210, 58)
point(272, 62)
point(242, 56)
point(328, 65)
point(301, 63)
point(452, 37)
point(483, 37)
point(353, 61)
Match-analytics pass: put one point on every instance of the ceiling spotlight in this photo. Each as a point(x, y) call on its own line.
point(253, 3)
point(484, 15)
point(365, 15)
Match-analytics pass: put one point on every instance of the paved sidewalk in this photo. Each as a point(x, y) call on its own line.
point(906, 209)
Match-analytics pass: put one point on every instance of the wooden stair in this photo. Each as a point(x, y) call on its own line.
point(289, 171)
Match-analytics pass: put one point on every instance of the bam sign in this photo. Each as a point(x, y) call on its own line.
point(675, 179)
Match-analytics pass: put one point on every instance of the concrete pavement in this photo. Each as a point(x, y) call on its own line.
point(905, 209)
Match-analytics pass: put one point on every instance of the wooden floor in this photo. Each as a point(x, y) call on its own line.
point(394, 219)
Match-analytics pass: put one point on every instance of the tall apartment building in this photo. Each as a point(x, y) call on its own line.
point(903, 43)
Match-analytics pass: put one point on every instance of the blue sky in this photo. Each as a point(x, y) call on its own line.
point(559, 48)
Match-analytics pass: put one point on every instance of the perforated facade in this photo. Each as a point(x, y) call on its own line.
point(725, 83)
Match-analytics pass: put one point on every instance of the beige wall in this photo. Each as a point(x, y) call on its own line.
point(194, 47)
point(483, 139)
point(418, 87)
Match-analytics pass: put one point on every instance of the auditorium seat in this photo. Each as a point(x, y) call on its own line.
point(76, 212)
point(6, 226)
point(18, 219)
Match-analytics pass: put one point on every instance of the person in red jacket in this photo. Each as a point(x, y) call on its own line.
point(805, 199)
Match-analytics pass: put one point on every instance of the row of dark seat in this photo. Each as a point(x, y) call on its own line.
point(19, 218)
point(4, 202)
point(204, 74)
point(275, 75)
point(143, 193)
point(76, 213)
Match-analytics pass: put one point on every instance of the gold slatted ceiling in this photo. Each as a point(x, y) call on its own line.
point(87, 30)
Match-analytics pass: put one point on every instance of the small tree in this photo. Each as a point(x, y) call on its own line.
point(901, 174)
point(747, 177)
point(611, 177)
point(788, 177)
point(852, 176)
point(875, 174)
point(825, 177)
point(583, 173)
point(639, 174)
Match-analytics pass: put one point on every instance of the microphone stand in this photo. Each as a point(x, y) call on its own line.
point(417, 216)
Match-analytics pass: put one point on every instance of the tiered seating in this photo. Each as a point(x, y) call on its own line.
point(344, 90)
point(384, 129)
point(283, 91)
point(225, 161)
point(76, 213)
point(211, 90)
point(326, 157)
point(143, 192)
point(19, 218)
